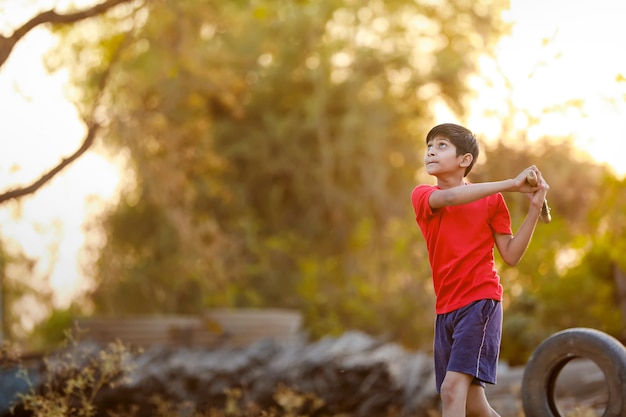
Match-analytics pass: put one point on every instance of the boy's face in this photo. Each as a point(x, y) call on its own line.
point(441, 157)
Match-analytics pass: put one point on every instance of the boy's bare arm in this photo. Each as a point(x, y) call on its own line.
point(472, 192)
point(513, 247)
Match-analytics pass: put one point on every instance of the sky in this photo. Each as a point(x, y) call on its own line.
point(562, 50)
point(558, 50)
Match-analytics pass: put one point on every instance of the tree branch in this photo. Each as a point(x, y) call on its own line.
point(20, 192)
point(8, 43)
point(92, 131)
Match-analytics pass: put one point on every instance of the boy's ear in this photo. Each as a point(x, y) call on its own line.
point(466, 160)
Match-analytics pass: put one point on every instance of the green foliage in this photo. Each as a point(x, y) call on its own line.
point(272, 148)
point(374, 293)
point(52, 332)
point(17, 289)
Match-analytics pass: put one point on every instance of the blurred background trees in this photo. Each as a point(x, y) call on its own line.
point(271, 150)
point(18, 291)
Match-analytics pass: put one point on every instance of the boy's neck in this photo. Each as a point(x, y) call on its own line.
point(446, 182)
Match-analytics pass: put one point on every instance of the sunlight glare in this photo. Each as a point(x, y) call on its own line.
point(39, 128)
point(563, 67)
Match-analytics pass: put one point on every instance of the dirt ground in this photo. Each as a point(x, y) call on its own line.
point(580, 391)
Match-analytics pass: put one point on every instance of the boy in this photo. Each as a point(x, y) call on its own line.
point(461, 223)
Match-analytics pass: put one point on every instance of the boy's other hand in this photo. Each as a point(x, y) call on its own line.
point(538, 198)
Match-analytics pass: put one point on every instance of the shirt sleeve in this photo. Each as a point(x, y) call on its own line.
point(500, 218)
point(419, 198)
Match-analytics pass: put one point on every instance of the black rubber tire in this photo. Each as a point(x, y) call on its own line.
point(547, 361)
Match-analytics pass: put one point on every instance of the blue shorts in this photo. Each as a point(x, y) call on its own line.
point(467, 340)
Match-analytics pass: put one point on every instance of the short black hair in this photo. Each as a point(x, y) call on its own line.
point(462, 138)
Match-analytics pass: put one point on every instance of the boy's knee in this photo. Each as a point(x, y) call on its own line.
point(454, 387)
point(447, 394)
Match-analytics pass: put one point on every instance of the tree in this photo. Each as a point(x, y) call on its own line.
point(273, 149)
point(14, 267)
point(7, 43)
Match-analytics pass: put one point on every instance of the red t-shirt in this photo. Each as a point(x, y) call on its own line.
point(460, 242)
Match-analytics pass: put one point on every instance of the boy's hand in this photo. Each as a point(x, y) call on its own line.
point(522, 186)
point(532, 178)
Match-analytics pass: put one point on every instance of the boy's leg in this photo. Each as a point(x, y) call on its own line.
point(477, 404)
point(454, 393)
point(470, 352)
point(461, 397)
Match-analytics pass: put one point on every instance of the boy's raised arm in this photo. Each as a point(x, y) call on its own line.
point(513, 247)
point(471, 192)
